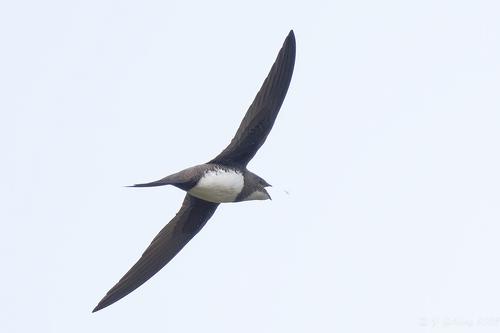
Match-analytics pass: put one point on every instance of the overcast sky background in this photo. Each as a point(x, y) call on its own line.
point(387, 145)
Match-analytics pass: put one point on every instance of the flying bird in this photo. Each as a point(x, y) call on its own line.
point(223, 179)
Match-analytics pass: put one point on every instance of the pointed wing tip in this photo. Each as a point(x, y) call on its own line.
point(289, 45)
point(103, 304)
point(291, 37)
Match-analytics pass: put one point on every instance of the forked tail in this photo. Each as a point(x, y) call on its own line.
point(164, 181)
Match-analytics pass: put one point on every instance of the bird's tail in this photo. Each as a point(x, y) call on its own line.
point(161, 182)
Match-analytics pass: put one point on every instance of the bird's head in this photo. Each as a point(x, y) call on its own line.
point(259, 191)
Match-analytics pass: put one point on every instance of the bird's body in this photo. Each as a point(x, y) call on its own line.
point(222, 184)
point(223, 179)
point(217, 183)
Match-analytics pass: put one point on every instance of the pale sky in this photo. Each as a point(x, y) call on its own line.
point(384, 159)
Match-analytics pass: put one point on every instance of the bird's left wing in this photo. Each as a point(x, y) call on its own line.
point(192, 216)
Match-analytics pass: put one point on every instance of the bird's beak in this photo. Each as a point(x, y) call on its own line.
point(267, 193)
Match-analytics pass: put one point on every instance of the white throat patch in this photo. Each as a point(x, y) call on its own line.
point(218, 185)
point(257, 195)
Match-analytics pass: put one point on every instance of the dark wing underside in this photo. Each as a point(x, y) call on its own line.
point(261, 115)
point(192, 216)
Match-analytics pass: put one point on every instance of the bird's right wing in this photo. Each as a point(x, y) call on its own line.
point(261, 115)
point(192, 216)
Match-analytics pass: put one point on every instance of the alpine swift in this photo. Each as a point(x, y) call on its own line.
point(223, 179)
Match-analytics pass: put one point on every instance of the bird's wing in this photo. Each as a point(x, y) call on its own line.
point(192, 216)
point(261, 115)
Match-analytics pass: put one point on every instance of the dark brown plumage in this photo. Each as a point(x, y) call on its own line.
point(262, 113)
point(195, 212)
point(192, 216)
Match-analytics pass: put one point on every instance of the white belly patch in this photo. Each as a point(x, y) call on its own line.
point(218, 186)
